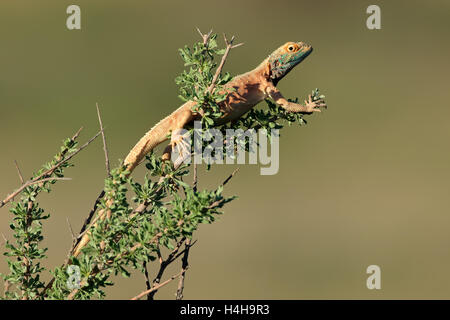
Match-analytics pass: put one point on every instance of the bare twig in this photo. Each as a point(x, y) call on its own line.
point(164, 264)
point(105, 148)
point(184, 267)
point(147, 278)
point(91, 214)
point(205, 36)
point(4, 239)
point(230, 176)
point(146, 292)
point(195, 179)
point(87, 229)
point(229, 46)
point(72, 294)
point(18, 172)
point(48, 172)
point(29, 183)
point(71, 230)
point(75, 136)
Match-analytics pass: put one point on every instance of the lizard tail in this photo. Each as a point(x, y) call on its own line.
point(147, 143)
point(158, 134)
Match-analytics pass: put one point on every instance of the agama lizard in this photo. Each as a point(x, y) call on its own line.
point(249, 89)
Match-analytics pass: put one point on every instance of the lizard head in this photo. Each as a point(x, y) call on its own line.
point(286, 57)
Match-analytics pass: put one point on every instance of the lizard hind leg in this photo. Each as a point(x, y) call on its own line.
point(180, 140)
point(179, 148)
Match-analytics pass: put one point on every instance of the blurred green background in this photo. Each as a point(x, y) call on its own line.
point(366, 182)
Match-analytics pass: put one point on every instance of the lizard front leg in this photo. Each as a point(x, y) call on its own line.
point(309, 107)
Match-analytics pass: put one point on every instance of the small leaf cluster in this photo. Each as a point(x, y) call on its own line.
point(194, 82)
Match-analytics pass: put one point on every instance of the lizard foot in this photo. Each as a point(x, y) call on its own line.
point(181, 146)
point(314, 105)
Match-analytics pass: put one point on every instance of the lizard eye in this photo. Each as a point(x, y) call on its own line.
point(291, 48)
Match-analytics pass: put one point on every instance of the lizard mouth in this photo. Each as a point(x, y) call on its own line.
point(305, 50)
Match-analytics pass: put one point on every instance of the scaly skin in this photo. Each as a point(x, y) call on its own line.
point(250, 89)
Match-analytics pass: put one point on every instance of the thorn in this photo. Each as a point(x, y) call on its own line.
point(77, 134)
point(70, 228)
point(237, 45)
point(18, 171)
point(105, 148)
point(199, 32)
